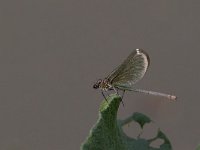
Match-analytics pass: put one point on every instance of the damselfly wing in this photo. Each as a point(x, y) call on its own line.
point(131, 70)
point(127, 74)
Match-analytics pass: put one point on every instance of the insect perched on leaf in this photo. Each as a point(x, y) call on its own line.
point(127, 74)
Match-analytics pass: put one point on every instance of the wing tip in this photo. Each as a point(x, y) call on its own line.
point(142, 51)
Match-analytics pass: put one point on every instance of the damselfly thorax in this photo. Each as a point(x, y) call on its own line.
point(127, 74)
point(104, 85)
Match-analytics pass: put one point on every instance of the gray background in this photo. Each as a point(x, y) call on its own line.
point(52, 51)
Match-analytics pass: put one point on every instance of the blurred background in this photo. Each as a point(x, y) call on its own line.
point(52, 52)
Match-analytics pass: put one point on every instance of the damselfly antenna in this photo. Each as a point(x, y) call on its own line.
point(127, 74)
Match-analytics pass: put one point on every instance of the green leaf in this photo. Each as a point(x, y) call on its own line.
point(141, 119)
point(198, 147)
point(107, 133)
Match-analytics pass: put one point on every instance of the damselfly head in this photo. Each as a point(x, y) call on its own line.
point(97, 84)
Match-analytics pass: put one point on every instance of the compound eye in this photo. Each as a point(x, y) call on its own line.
point(95, 86)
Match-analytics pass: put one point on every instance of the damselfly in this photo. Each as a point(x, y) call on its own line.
point(127, 74)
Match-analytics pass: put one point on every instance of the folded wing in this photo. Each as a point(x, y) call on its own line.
point(131, 70)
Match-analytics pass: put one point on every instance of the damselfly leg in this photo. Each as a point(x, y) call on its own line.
point(104, 95)
point(121, 96)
